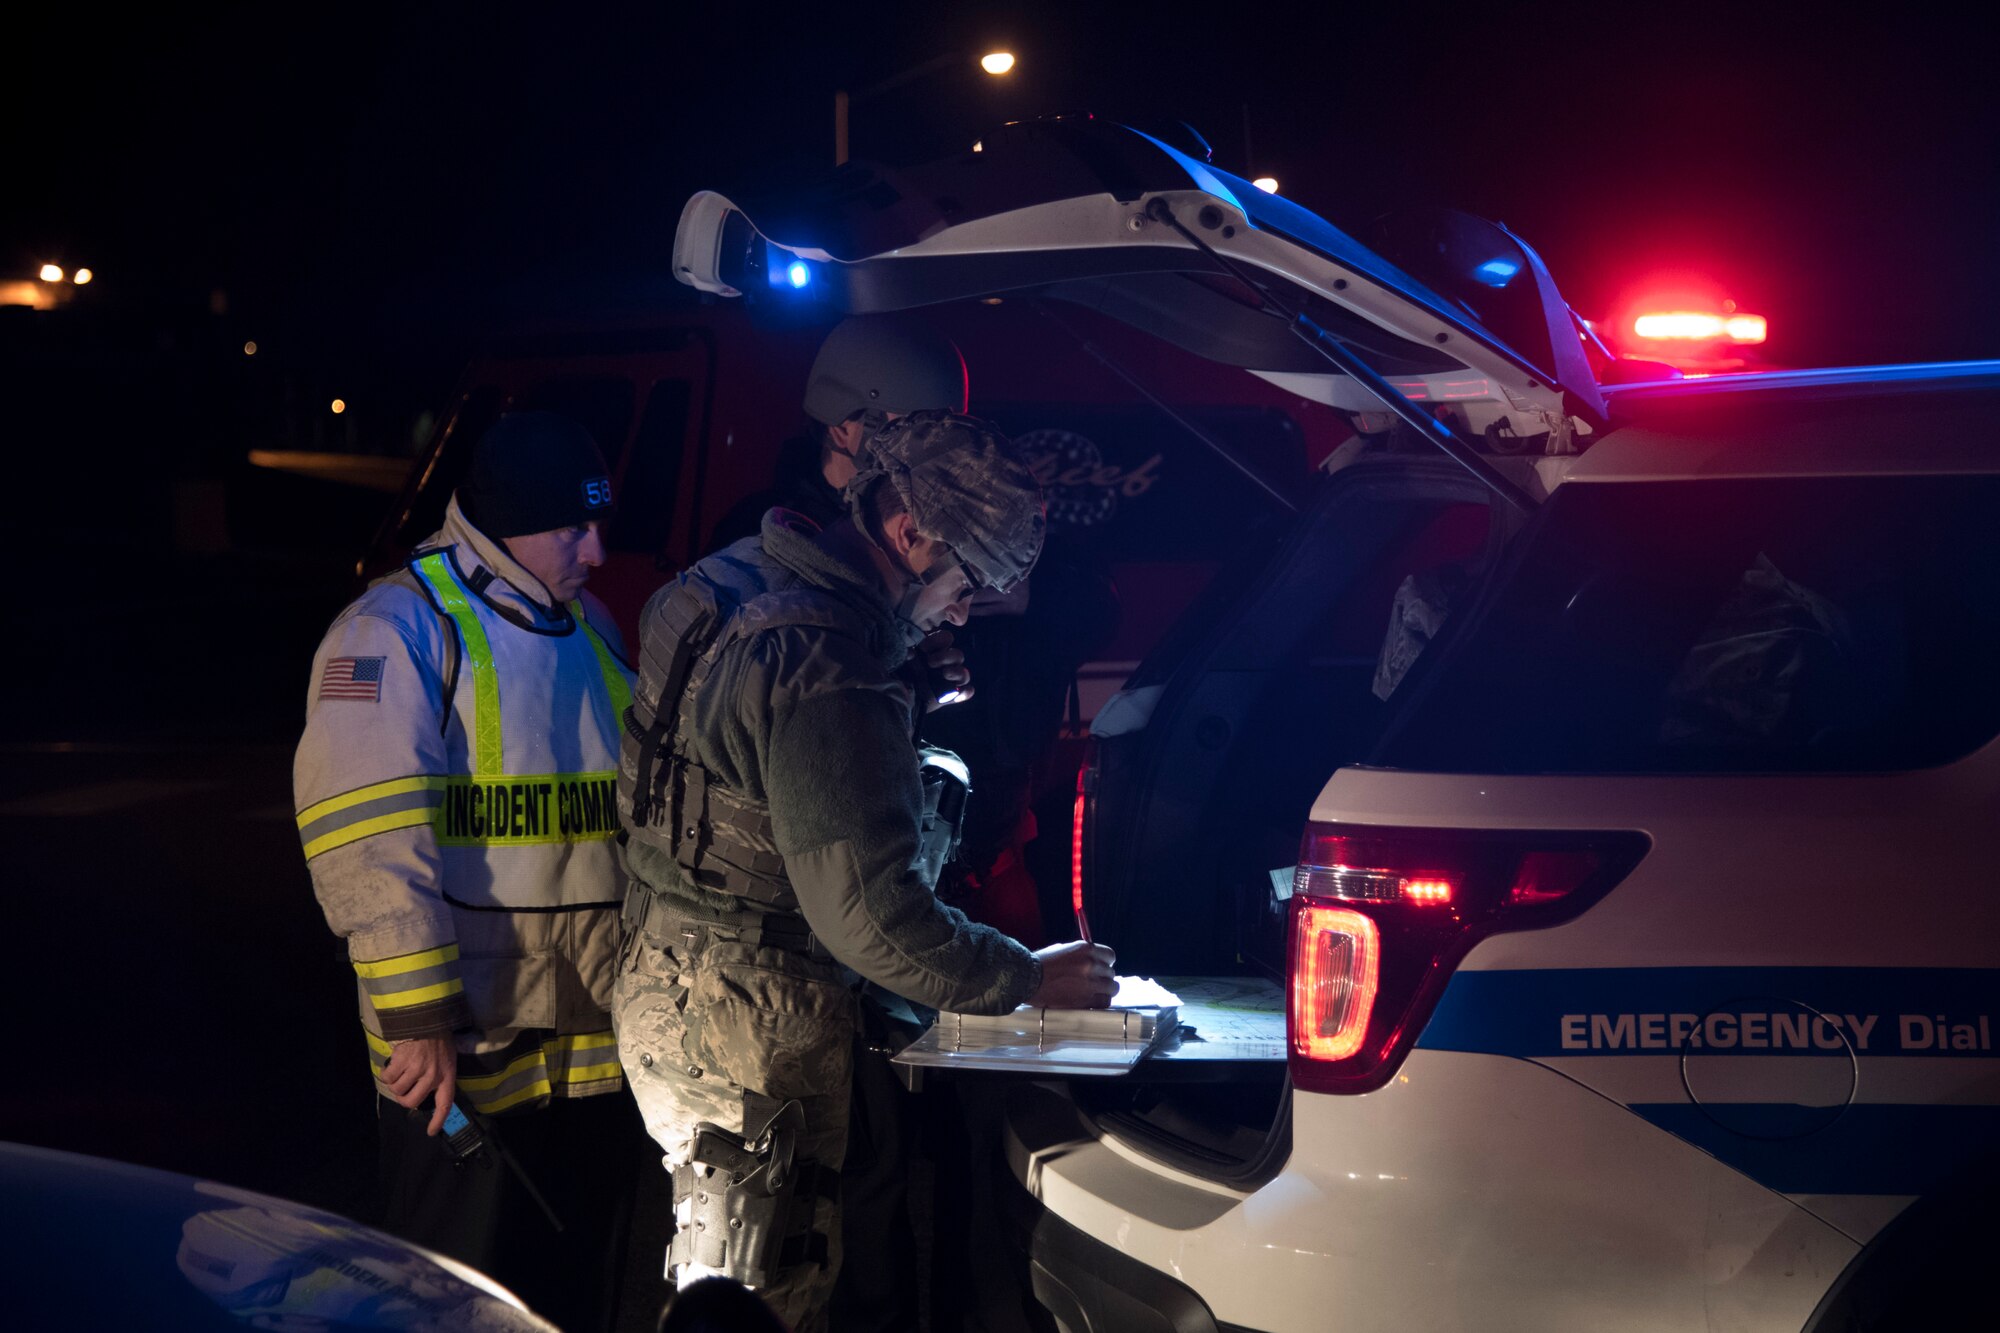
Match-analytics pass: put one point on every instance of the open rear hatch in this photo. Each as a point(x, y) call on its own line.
point(1106, 217)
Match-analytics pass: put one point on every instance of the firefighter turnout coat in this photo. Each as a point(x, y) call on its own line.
point(456, 796)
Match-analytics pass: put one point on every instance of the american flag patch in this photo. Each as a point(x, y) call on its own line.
point(352, 678)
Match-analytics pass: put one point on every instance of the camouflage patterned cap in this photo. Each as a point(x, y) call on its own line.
point(963, 483)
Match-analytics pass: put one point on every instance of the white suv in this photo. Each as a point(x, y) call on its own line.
point(1605, 799)
point(1640, 962)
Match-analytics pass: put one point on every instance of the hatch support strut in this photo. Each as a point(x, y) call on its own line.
point(1179, 418)
point(1316, 337)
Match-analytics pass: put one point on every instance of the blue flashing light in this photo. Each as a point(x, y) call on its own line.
point(1496, 272)
point(798, 274)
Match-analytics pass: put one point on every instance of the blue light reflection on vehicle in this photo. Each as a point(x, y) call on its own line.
point(1496, 272)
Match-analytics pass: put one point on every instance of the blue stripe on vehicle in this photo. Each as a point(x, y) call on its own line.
point(1762, 1012)
point(1868, 1149)
point(1535, 1013)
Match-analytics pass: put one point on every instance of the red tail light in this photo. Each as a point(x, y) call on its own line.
point(1337, 959)
point(1086, 785)
point(1381, 917)
point(1076, 847)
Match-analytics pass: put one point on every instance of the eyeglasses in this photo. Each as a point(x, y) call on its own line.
point(944, 564)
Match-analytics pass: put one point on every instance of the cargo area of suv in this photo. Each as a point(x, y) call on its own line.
point(1199, 778)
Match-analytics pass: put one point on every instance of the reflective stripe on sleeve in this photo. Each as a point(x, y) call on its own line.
point(615, 683)
point(366, 811)
point(451, 595)
point(411, 979)
point(524, 1078)
point(379, 1051)
point(403, 964)
point(537, 1073)
point(587, 1057)
point(404, 999)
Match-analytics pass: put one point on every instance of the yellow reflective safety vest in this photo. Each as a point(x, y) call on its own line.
point(456, 803)
point(526, 818)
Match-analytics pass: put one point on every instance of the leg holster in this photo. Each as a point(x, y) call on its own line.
point(750, 1202)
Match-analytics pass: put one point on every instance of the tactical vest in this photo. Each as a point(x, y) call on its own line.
point(529, 814)
point(720, 837)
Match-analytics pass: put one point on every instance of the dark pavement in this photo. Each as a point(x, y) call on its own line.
point(172, 946)
point(173, 935)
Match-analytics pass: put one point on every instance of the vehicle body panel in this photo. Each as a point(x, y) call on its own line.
point(91, 1243)
point(1474, 1192)
point(1851, 1105)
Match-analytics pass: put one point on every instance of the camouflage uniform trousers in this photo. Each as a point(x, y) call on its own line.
point(713, 1030)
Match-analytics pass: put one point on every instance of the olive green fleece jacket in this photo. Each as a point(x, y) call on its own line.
point(817, 724)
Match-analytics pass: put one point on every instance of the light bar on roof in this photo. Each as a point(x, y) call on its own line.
point(1701, 326)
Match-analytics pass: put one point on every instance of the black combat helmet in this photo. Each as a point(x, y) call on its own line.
point(883, 363)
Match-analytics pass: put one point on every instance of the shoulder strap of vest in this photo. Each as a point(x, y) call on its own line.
point(608, 666)
point(779, 609)
point(801, 606)
point(789, 607)
point(437, 572)
point(688, 614)
point(449, 676)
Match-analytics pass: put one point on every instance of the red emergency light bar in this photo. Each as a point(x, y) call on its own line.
point(1701, 326)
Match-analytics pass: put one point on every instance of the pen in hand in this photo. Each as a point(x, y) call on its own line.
point(1076, 869)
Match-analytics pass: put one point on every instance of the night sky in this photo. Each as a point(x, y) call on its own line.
point(371, 185)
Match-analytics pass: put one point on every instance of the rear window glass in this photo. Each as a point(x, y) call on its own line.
point(1763, 625)
point(646, 492)
point(477, 411)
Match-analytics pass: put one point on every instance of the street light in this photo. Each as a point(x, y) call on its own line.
point(1268, 184)
point(994, 63)
point(81, 276)
point(52, 273)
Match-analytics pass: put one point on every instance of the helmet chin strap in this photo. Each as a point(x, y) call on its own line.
point(873, 419)
point(906, 610)
point(913, 588)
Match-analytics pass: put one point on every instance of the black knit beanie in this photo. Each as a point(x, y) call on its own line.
point(532, 472)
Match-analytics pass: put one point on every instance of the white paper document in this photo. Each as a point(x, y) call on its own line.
point(1229, 1019)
